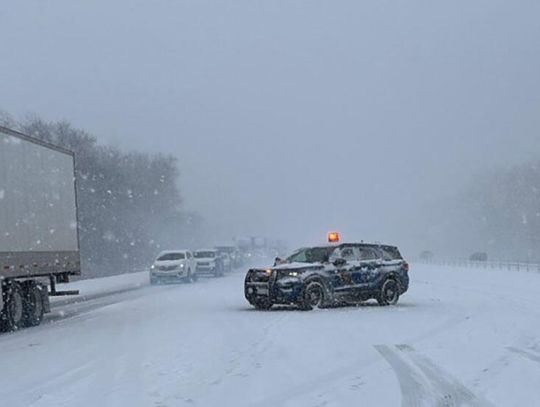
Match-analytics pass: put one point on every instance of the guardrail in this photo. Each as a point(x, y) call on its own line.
point(501, 265)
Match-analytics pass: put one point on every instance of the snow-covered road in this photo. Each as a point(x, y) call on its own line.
point(459, 337)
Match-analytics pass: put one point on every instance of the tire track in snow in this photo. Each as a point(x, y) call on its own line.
point(413, 391)
point(423, 382)
point(337, 374)
point(524, 353)
point(252, 353)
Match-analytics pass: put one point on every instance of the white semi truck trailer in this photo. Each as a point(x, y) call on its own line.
point(39, 240)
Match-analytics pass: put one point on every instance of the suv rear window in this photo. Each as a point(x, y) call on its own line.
point(391, 253)
point(172, 256)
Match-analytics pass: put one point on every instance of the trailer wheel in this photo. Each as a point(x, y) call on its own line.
point(33, 308)
point(12, 315)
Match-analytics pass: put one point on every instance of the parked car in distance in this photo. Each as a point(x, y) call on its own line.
point(174, 265)
point(233, 253)
point(226, 261)
point(209, 262)
point(479, 256)
point(426, 255)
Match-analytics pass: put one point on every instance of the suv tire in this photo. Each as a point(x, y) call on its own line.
point(312, 296)
point(389, 293)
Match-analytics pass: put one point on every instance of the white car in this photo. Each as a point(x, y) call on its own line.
point(209, 262)
point(174, 265)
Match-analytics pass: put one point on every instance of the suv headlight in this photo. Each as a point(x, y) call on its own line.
point(288, 273)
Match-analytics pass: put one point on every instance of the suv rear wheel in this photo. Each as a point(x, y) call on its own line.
point(389, 294)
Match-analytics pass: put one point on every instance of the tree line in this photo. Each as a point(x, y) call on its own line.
point(497, 212)
point(130, 204)
point(502, 213)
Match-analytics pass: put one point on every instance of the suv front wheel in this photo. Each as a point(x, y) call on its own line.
point(312, 296)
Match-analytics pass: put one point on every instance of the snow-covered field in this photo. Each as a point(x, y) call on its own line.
point(459, 337)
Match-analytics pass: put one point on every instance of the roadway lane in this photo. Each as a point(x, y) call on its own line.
point(459, 337)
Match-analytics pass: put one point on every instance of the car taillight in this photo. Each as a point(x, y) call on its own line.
point(406, 266)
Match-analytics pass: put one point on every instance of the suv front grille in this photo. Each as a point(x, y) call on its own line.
point(259, 276)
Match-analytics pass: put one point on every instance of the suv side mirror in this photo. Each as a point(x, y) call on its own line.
point(278, 261)
point(339, 262)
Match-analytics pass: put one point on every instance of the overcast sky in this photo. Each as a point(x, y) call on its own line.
point(289, 118)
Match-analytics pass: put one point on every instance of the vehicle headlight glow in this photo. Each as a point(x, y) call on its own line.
point(293, 273)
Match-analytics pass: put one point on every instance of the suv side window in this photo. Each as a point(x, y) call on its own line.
point(386, 255)
point(347, 253)
point(391, 253)
point(368, 253)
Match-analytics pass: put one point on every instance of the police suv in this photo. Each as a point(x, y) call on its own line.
point(315, 277)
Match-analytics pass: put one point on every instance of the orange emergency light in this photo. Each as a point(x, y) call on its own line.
point(333, 237)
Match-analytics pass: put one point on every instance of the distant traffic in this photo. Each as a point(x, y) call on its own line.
point(186, 265)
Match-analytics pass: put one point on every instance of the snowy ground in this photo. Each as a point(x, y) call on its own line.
point(459, 337)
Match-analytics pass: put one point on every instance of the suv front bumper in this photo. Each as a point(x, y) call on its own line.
point(273, 291)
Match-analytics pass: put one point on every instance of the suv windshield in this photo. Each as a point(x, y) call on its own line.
point(204, 255)
point(311, 255)
point(171, 256)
